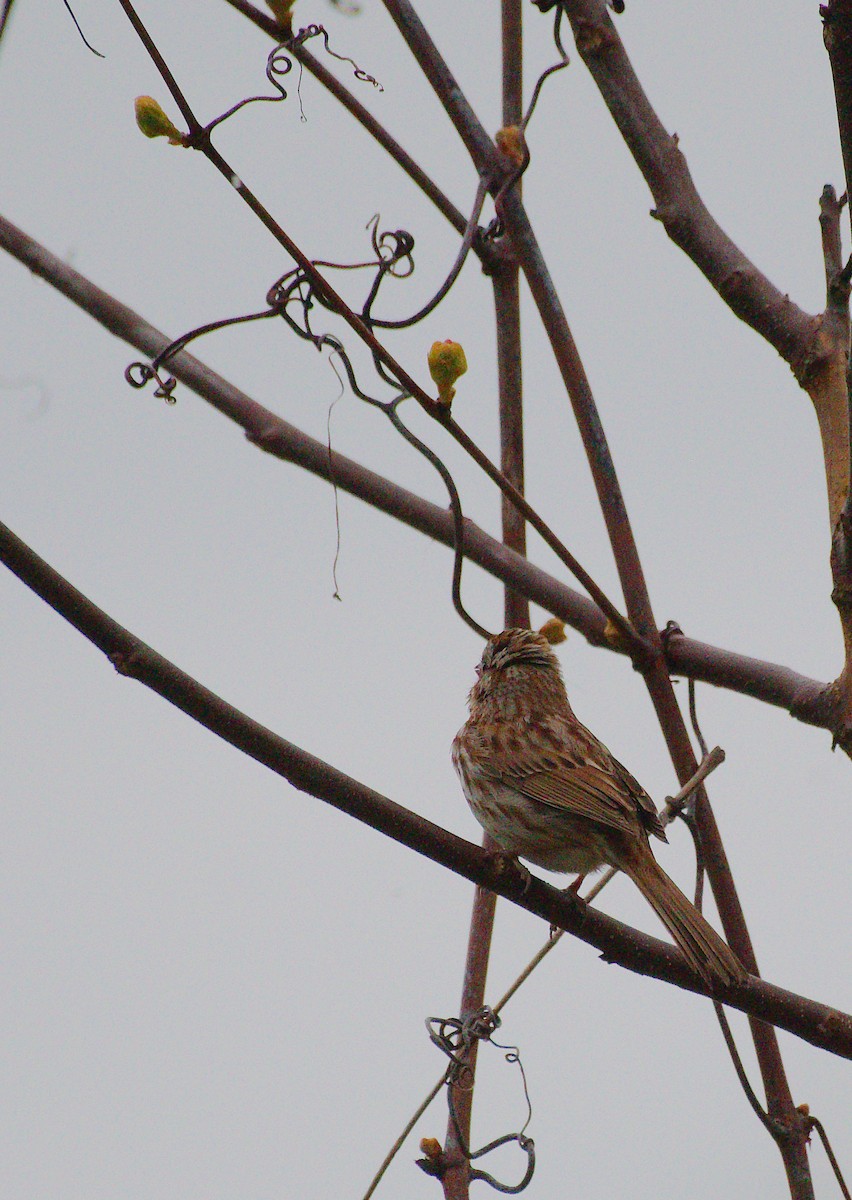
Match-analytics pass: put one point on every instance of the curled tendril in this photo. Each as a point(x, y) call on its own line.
point(277, 65)
point(294, 289)
point(455, 1037)
point(293, 296)
point(394, 250)
point(312, 31)
point(470, 232)
point(138, 374)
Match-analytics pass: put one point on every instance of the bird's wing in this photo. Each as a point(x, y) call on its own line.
point(647, 809)
point(583, 791)
point(581, 777)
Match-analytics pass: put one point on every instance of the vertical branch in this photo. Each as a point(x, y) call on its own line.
point(456, 1180)
point(508, 314)
point(507, 303)
point(456, 1176)
point(791, 1135)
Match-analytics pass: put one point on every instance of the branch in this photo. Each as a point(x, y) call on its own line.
point(685, 217)
point(822, 1026)
point(455, 1167)
point(769, 682)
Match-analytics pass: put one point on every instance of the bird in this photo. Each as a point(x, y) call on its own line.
point(549, 791)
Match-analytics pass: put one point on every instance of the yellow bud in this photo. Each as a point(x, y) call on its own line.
point(554, 631)
point(446, 363)
point(282, 10)
point(154, 123)
point(510, 140)
point(612, 634)
point(431, 1147)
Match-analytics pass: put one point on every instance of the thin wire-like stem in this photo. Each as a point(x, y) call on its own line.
point(458, 518)
point(400, 1141)
point(816, 1124)
point(636, 645)
point(756, 1106)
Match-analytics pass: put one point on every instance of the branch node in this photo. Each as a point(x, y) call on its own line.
point(509, 872)
point(127, 661)
point(593, 37)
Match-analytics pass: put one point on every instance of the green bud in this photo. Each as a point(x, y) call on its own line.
point(446, 363)
point(153, 122)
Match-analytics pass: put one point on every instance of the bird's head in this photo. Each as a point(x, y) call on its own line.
point(518, 668)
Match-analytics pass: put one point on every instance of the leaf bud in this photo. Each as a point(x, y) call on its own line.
point(153, 122)
point(553, 631)
point(446, 363)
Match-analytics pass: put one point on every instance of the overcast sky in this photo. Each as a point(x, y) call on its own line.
point(213, 986)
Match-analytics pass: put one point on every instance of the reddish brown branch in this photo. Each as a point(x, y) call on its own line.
point(507, 304)
point(508, 318)
point(455, 1177)
point(837, 35)
point(769, 682)
point(685, 217)
point(822, 1026)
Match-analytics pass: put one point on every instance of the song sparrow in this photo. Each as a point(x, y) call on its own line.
point(547, 790)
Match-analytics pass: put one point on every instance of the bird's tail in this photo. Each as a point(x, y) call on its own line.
point(700, 943)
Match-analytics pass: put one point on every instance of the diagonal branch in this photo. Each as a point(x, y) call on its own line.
point(768, 682)
point(822, 1026)
point(685, 217)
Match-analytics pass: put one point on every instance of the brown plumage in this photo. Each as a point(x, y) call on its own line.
point(547, 790)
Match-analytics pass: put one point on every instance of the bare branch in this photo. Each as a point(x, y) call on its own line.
point(769, 682)
point(685, 217)
point(822, 1026)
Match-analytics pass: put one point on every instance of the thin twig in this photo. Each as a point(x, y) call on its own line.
point(400, 1141)
point(835, 1165)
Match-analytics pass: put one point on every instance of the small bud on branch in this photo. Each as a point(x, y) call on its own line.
point(447, 363)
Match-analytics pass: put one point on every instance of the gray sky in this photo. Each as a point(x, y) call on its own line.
point(214, 986)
